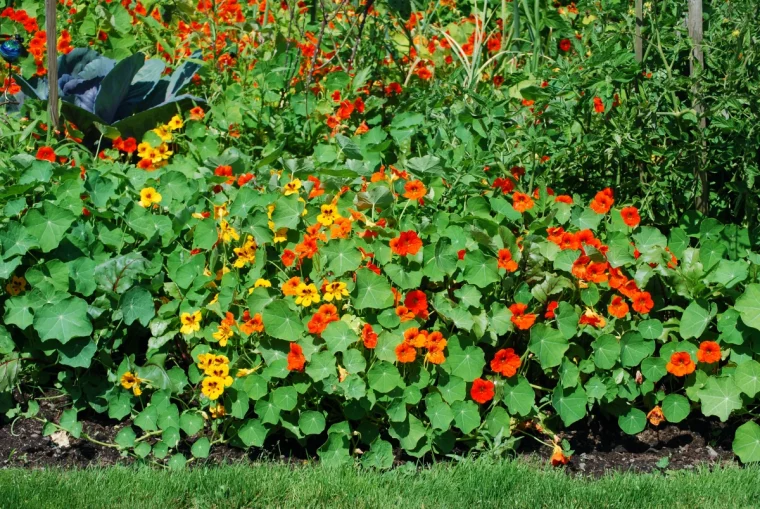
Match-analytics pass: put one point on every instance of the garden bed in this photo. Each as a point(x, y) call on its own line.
point(599, 448)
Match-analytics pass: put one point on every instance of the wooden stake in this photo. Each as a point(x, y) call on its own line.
point(696, 63)
point(52, 61)
point(638, 46)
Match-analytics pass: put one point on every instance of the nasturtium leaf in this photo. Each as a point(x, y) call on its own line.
point(380, 455)
point(606, 351)
point(339, 336)
point(190, 422)
point(633, 421)
point(119, 405)
point(569, 373)
point(654, 368)
point(201, 448)
point(142, 449)
point(649, 238)
point(445, 256)
point(675, 407)
point(371, 291)
point(466, 364)
point(548, 344)
point(650, 329)
point(147, 420)
point(595, 388)
point(438, 412)
point(499, 319)
point(285, 398)
point(137, 305)
point(729, 273)
point(720, 397)
point(281, 322)
point(353, 361)
point(694, 320)
point(567, 320)
point(205, 235)
point(16, 240)
point(342, 256)
point(125, 437)
point(405, 278)
point(711, 253)
point(354, 387)
point(63, 321)
point(452, 388)
point(311, 422)
point(18, 312)
point(570, 404)
point(749, 306)
point(50, 227)
point(335, 452)
point(268, 412)
point(466, 415)
point(746, 443)
point(634, 349)
point(287, 212)
point(747, 377)
point(383, 377)
point(77, 353)
point(320, 366)
point(518, 395)
point(498, 422)
point(252, 433)
point(479, 270)
point(386, 346)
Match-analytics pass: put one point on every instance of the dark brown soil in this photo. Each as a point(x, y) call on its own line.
point(599, 448)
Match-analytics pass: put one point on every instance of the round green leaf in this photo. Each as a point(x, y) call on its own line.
point(466, 364)
point(372, 291)
point(675, 407)
point(466, 415)
point(311, 422)
point(749, 306)
point(720, 397)
point(285, 398)
point(634, 349)
point(570, 404)
point(548, 344)
point(339, 336)
point(201, 448)
point(62, 321)
point(281, 322)
point(518, 395)
point(137, 305)
point(380, 455)
point(383, 377)
point(252, 433)
point(438, 412)
point(654, 368)
point(747, 442)
point(747, 377)
point(633, 421)
point(606, 351)
point(694, 320)
point(650, 329)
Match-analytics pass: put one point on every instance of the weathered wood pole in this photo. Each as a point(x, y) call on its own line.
point(52, 62)
point(696, 63)
point(638, 45)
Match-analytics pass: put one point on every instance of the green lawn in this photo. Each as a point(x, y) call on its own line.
point(470, 485)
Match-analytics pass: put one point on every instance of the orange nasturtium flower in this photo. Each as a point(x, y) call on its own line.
point(414, 190)
point(642, 302)
point(482, 391)
point(591, 317)
point(558, 457)
point(680, 364)
point(290, 287)
point(630, 216)
point(522, 320)
point(709, 352)
point(603, 201)
point(521, 202)
point(506, 362)
point(618, 307)
point(407, 243)
point(190, 322)
point(435, 345)
point(415, 337)
point(656, 416)
point(505, 261)
point(416, 302)
point(131, 381)
point(369, 336)
point(251, 324)
point(405, 353)
point(296, 359)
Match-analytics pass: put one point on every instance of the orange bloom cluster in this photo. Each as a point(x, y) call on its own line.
point(407, 243)
point(414, 338)
point(520, 318)
point(251, 324)
point(21, 17)
point(482, 391)
point(38, 48)
point(64, 42)
point(326, 314)
point(10, 87)
point(506, 362)
point(415, 306)
point(296, 359)
point(680, 364)
point(522, 202)
point(129, 145)
point(505, 261)
point(603, 201)
point(369, 336)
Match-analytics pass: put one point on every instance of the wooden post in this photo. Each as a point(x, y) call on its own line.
point(696, 63)
point(52, 61)
point(638, 46)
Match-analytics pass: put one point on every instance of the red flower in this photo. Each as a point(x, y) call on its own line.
point(461, 253)
point(225, 171)
point(369, 336)
point(549, 315)
point(565, 45)
point(416, 302)
point(407, 243)
point(505, 261)
point(521, 202)
point(405, 353)
point(519, 318)
point(46, 154)
point(680, 364)
point(482, 390)
point(631, 216)
point(288, 257)
point(618, 307)
point(642, 302)
point(506, 362)
point(296, 359)
point(603, 201)
point(709, 352)
point(244, 179)
point(598, 105)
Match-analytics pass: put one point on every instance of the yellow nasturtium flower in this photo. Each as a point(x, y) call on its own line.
point(306, 295)
point(336, 290)
point(149, 196)
point(190, 322)
point(292, 187)
point(262, 282)
point(329, 214)
point(245, 253)
point(213, 386)
point(227, 232)
point(164, 133)
point(131, 381)
point(175, 123)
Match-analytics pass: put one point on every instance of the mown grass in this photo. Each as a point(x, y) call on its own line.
point(468, 485)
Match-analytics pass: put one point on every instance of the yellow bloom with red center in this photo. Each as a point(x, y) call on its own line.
point(144, 150)
point(16, 285)
point(164, 133)
point(131, 381)
point(175, 123)
point(262, 283)
point(226, 232)
point(280, 235)
point(217, 411)
point(220, 211)
point(329, 214)
point(246, 253)
point(149, 196)
point(162, 153)
point(336, 290)
point(190, 322)
point(213, 386)
point(292, 187)
point(205, 360)
point(306, 295)
point(223, 334)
